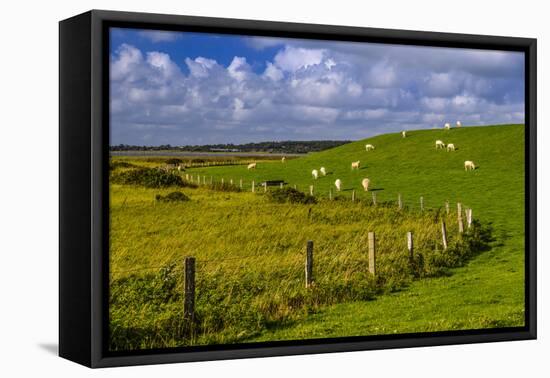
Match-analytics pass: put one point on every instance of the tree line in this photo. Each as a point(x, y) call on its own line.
point(296, 147)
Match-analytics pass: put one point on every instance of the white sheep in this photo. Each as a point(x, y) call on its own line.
point(458, 124)
point(355, 164)
point(469, 165)
point(365, 183)
point(450, 147)
point(404, 134)
point(439, 144)
point(251, 166)
point(323, 171)
point(315, 174)
point(283, 159)
point(447, 126)
point(338, 184)
point(369, 147)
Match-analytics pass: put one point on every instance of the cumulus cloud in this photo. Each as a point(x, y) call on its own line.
point(308, 90)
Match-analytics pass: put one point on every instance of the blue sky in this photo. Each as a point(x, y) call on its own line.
point(183, 88)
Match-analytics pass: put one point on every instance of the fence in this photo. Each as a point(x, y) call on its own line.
point(190, 263)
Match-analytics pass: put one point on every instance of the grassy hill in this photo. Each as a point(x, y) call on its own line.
point(258, 298)
point(489, 291)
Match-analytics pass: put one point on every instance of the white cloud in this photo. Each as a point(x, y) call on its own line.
point(292, 59)
point(272, 72)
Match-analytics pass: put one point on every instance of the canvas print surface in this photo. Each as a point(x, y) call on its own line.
point(267, 189)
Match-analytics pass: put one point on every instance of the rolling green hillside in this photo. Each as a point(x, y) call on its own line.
point(487, 292)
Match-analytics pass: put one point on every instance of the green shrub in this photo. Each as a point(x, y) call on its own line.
point(172, 197)
point(290, 195)
point(149, 178)
point(120, 164)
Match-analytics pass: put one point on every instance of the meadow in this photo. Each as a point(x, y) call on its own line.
point(250, 249)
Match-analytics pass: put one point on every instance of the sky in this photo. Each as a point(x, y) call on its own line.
point(182, 88)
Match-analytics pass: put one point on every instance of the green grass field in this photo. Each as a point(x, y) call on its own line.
point(250, 252)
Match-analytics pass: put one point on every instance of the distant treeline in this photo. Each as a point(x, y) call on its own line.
point(295, 147)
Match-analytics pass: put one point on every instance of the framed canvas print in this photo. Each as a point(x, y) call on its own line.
point(233, 188)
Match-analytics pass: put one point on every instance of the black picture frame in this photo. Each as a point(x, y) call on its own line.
point(83, 195)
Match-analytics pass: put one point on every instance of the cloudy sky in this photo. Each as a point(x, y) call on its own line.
point(192, 88)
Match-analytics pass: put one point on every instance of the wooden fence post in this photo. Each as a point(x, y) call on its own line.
point(204, 179)
point(447, 207)
point(265, 186)
point(309, 263)
point(189, 289)
point(353, 196)
point(469, 217)
point(199, 179)
point(330, 194)
point(311, 190)
point(421, 203)
point(410, 245)
point(241, 184)
point(187, 176)
point(372, 252)
point(281, 186)
point(374, 198)
point(444, 234)
point(211, 180)
point(231, 181)
point(399, 202)
point(222, 180)
point(459, 215)
point(252, 186)
point(295, 187)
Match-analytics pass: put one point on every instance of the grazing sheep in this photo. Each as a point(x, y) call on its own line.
point(458, 124)
point(323, 171)
point(450, 147)
point(447, 126)
point(338, 184)
point(315, 174)
point(365, 183)
point(439, 144)
point(469, 165)
point(251, 166)
point(369, 147)
point(355, 164)
point(283, 159)
point(404, 134)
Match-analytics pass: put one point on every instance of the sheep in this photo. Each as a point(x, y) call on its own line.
point(315, 174)
point(323, 171)
point(365, 183)
point(355, 164)
point(458, 124)
point(439, 144)
point(369, 147)
point(283, 159)
point(447, 126)
point(450, 147)
point(403, 134)
point(251, 166)
point(469, 165)
point(338, 184)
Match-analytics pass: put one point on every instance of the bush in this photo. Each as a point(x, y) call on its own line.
point(172, 197)
point(290, 195)
point(120, 164)
point(149, 178)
